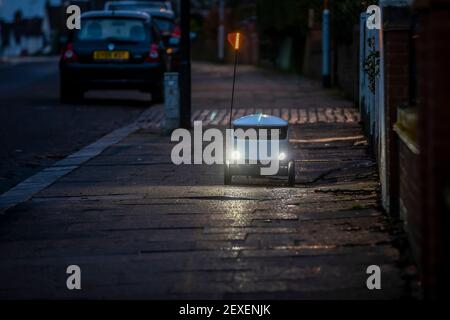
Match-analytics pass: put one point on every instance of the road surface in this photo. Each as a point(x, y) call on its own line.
point(36, 130)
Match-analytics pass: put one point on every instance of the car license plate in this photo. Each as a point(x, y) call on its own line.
point(111, 55)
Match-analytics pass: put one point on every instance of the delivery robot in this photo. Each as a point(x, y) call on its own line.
point(240, 160)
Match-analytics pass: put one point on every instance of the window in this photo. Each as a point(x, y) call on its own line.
point(138, 6)
point(165, 5)
point(113, 29)
point(164, 25)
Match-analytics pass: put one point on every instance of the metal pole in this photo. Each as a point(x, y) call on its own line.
point(234, 81)
point(1, 31)
point(221, 31)
point(326, 46)
point(185, 65)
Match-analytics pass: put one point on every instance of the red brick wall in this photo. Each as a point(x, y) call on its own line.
point(312, 57)
point(433, 55)
point(347, 70)
point(396, 87)
point(410, 200)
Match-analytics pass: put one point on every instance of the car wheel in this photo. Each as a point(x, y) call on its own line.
point(68, 94)
point(226, 175)
point(291, 173)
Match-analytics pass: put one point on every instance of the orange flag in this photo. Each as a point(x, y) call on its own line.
point(235, 39)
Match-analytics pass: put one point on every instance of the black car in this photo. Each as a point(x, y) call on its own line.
point(137, 5)
point(165, 20)
point(170, 33)
point(113, 50)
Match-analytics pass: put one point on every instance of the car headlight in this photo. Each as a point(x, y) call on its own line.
point(282, 156)
point(235, 155)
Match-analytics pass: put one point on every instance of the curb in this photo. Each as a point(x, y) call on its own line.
point(44, 178)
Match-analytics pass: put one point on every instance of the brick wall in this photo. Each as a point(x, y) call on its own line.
point(343, 62)
point(396, 87)
point(410, 199)
point(312, 57)
point(346, 76)
point(347, 70)
point(433, 59)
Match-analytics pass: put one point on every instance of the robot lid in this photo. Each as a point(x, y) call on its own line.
point(260, 120)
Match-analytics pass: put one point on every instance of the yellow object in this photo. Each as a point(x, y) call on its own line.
point(111, 55)
point(235, 39)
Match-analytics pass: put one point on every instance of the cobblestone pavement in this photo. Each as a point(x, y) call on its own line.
point(154, 117)
point(141, 227)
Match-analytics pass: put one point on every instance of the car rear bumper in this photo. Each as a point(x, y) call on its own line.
point(104, 76)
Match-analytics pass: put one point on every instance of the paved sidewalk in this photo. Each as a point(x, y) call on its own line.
point(141, 227)
point(221, 117)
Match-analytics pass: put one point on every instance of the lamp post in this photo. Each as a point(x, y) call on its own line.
point(1, 26)
point(221, 32)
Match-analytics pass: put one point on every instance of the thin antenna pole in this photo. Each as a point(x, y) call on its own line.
point(234, 81)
